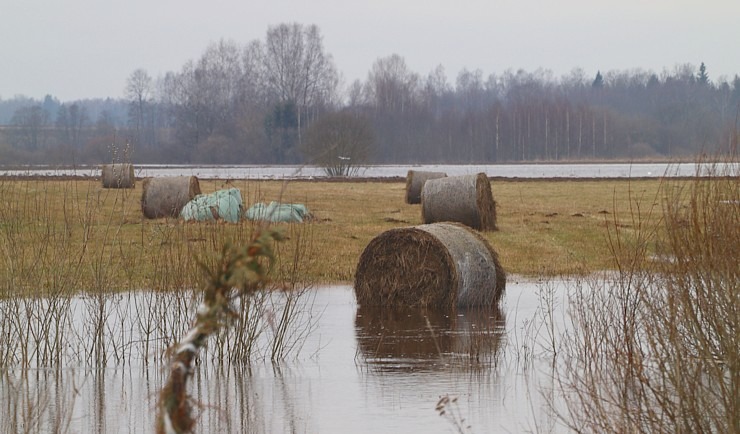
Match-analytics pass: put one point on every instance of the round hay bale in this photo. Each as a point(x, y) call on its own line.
point(165, 197)
point(118, 175)
point(464, 199)
point(415, 180)
point(437, 265)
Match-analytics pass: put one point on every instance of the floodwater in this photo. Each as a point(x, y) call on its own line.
point(585, 170)
point(358, 371)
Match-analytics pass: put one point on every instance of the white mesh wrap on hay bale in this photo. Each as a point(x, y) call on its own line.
point(165, 197)
point(435, 265)
point(474, 261)
point(464, 199)
point(415, 180)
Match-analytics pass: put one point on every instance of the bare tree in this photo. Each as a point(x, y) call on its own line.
point(391, 86)
point(29, 125)
point(203, 95)
point(340, 143)
point(355, 94)
point(436, 89)
point(298, 71)
point(139, 93)
point(71, 121)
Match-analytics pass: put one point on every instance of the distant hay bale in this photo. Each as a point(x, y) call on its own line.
point(464, 199)
point(436, 265)
point(118, 175)
point(415, 180)
point(165, 197)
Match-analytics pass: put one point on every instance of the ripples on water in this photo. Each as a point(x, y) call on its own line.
point(360, 371)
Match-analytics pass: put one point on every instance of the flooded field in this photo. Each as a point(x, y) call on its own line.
point(651, 346)
point(358, 370)
point(530, 171)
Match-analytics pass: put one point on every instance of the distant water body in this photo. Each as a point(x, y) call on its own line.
point(530, 171)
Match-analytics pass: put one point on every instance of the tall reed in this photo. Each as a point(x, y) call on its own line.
point(656, 346)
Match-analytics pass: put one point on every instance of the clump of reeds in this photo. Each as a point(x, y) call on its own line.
point(240, 272)
point(656, 347)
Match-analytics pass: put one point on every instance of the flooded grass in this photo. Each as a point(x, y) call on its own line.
point(92, 295)
point(352, 373)
point(654, 348)
point(136, 328)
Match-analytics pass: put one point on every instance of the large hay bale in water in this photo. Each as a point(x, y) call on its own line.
point(165, 197)
point(415, 180)
point(464, 199)
point(436, 265)
point(118, 175)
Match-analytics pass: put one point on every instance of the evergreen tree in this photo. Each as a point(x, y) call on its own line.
point(702, 77)
point(598, 81)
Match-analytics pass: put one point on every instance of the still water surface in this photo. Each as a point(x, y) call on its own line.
point(359, 371)
point(586, 170)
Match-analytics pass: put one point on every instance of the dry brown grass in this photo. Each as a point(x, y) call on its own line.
point(97, 239)
point(546, 227)
point(653, 347)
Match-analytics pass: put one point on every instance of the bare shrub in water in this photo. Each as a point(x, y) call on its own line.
point(239, 273)
point(657, 348)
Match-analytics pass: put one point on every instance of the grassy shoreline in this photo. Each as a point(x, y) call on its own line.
point(74, 235)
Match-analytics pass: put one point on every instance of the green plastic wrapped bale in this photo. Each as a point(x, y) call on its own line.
point(278, 212)
point(222, 204)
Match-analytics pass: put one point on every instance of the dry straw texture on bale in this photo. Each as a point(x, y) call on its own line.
point(415, 181)
point(118, 175)
point(437, 265)
point(165, 197)
point(464, 199)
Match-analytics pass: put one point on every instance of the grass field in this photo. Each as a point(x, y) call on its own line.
point(652, 347)
point(71, 235)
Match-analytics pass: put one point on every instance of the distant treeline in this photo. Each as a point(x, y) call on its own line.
point(257, 103)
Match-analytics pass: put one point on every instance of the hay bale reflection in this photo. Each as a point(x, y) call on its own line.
point(426, 340)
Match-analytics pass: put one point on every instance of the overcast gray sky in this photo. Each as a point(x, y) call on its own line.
point(76, 49)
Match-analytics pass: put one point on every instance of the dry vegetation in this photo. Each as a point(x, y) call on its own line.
point(72, 235)
point(653, 347)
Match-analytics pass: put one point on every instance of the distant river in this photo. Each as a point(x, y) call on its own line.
point(604, 170)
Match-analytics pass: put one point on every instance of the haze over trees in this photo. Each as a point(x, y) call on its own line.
point(270, 101)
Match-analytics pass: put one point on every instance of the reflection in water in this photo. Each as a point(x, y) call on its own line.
point(361, 371)
point(419, 340)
